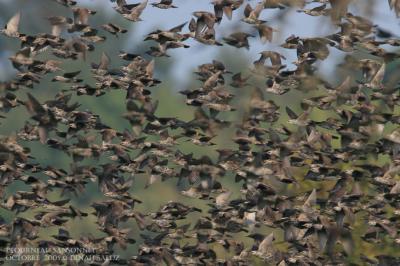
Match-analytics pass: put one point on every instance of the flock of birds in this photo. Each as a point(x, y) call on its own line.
point(350, 191)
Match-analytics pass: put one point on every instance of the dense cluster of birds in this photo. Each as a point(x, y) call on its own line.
point(309, 183)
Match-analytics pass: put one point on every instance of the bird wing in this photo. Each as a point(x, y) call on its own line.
point(13, 23)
